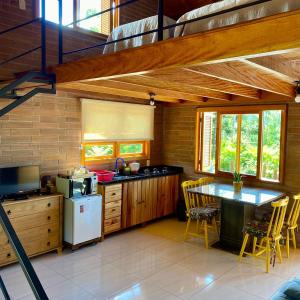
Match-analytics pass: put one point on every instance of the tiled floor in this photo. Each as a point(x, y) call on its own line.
point(151, 262)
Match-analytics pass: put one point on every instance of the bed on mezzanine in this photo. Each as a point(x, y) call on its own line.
point(228, 57)
point(227, 18)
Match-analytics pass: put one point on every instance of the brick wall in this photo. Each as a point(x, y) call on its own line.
point(46, 130)
point(179, 143)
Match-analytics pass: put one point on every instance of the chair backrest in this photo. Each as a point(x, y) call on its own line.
point(294, 213)
point(277, 219)
point(206, 200)
point(191, 199)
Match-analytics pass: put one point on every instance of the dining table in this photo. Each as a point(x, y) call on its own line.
point(237, 209)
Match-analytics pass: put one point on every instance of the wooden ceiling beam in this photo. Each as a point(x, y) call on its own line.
point(81, 87)
point(151, 83)
point(159, 92)
point(194, 78)
point(276, 34)
point(249, 74)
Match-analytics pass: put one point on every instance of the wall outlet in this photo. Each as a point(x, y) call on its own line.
point(22, 4)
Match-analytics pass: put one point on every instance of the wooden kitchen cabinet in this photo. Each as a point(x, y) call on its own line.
point(167, 195)
point(112, 204)
point(148, 199)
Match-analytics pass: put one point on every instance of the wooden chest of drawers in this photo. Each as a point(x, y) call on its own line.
point(112, 207)
point(38, 224)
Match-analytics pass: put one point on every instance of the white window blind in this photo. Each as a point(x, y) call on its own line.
point(115, 121)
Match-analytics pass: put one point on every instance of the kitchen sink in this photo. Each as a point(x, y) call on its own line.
point(124, 177)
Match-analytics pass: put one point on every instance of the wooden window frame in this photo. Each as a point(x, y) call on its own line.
point(114, 20)
point(116, 152)
point(240, 110)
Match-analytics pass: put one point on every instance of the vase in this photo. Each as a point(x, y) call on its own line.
point(237, 186)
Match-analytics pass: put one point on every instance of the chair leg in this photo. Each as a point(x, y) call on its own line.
point(254, 245)
point(244, 246)
point(287, 243)
point(267, 256)
point(294, 238)
point(205, 234)
point(216, 226)
point(278, 250)
point(187, 229)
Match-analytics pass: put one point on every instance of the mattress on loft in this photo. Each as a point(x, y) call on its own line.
point(137, 27)
point(257, 11)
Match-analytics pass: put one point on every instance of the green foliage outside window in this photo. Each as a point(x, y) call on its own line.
point(131, 149)
point(249, 142)
point(98, 150)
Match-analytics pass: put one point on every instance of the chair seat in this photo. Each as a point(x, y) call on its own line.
point(256, 228)
point(203, 213)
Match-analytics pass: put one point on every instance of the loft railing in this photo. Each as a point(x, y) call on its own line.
point(22, 258)
point(160, 28)
point(42, 46)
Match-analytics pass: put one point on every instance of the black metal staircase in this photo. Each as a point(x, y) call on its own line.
point(41, 81)
point(11, 90)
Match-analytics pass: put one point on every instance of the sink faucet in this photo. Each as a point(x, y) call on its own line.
point(116, 164)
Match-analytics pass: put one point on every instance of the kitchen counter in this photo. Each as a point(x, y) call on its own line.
point(153, 171)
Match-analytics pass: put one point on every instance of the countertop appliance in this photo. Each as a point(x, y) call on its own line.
point(82, 222)
point(77, 187)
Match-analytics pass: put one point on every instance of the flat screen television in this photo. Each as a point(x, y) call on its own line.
point(16, 181)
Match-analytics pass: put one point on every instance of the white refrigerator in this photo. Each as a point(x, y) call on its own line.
point(83, 219)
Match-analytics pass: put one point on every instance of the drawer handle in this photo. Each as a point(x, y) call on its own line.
point(49, 218)
point(49, 204)
point(8, 255)
point(49, 230)
point(113, 210)
point(113, 194)
point(9, 212)
point(48, 244)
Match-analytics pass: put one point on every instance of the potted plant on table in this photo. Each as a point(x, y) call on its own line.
point(237, 182)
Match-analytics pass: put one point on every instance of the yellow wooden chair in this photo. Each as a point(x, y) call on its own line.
point(269, 233)
point(292, 224)
point(196, 211)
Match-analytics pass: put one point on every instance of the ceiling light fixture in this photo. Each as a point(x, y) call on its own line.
point(152, 100)
point(297, 99)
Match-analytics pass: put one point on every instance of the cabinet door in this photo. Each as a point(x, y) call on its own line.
point(167, 195)
point(131, 203)
point(148, 199)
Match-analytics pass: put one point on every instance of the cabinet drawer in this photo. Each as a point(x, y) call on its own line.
point(113, 204)
point(29, 235)
point(113, 187)
point(37, 220)
point(112, 224)
point(113, 195)
point(112, 212)
point(31, 248)
point(21, 209)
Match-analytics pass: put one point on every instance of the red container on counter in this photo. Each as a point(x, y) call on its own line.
point(104, 175)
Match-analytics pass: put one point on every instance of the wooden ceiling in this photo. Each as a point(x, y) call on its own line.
point(261, 67)
point(176, 8)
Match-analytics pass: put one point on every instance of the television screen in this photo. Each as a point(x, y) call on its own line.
point(18, 180)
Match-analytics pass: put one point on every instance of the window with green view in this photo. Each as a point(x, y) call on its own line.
point(248, 141)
